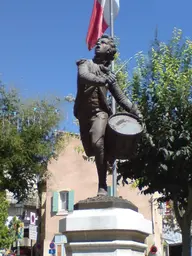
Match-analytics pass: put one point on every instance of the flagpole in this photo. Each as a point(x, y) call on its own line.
point(114, 184)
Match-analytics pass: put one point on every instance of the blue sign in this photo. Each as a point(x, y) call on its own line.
point(52, 245)
point(51, 251)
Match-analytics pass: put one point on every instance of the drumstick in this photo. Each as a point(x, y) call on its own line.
point(123, 66)
point(120, 68)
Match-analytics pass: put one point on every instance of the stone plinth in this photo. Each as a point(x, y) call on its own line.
point(101, 202)
point(105, 232)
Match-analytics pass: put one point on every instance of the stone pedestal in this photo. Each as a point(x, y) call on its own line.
point(115, 230)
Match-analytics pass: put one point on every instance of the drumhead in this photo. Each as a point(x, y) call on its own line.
point(125, 123)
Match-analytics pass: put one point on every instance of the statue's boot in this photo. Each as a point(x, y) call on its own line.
point(102, 192)
point(101, 165)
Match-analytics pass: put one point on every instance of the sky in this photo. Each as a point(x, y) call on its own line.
point(41, 40)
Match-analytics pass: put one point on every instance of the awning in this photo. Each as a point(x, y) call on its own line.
point(172, 238)
point(60, 239)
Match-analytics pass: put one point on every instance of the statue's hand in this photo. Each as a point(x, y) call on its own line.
point(135, 111)
point(111, 78)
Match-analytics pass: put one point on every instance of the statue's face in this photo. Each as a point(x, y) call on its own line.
point(102, 47)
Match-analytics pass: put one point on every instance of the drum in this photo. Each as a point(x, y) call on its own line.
point(122, 135)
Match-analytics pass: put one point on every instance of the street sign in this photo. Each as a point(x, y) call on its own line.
point(32, 232)
point(51, 251)
point(52, 245)
point(32, 218)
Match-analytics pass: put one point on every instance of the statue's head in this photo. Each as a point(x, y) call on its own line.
point(105, 48)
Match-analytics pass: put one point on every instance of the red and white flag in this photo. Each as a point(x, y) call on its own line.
point(100, 20)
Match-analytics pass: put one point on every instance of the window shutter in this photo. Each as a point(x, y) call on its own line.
point(70, 200)
point(109, 191)
point(55, 206)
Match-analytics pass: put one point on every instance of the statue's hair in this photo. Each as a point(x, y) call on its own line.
point(113, 46)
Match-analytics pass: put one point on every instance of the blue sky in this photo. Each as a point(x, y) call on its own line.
point(40, 40)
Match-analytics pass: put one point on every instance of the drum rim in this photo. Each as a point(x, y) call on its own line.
point(127, 114)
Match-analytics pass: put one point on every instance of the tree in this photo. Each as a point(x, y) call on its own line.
point(161, 85)
point(28, 141)
point(5, 239)
point(8, 233)
point(14, 225)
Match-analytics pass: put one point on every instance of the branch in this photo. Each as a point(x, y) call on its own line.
point(177, 214)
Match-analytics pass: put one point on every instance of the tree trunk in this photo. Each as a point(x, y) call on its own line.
point(186, 236)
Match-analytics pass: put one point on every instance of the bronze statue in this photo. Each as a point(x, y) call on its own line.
point(91, 107)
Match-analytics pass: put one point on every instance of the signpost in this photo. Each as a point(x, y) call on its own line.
point(32, 218)
point(52, 250)
point(52, 245)
point(32, 230)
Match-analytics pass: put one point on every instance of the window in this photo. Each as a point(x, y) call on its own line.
point(63, 201)
point(18, 211)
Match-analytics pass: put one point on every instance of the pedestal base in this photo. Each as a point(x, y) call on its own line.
point(114, 248)
point(105, 232)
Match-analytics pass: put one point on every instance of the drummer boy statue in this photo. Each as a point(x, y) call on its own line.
point(91, 108)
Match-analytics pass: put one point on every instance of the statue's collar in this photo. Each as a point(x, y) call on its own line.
point(105, 67)
point(99, 61)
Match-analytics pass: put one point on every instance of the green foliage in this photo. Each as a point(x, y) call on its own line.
point(27, 141)
point(13, 228)
point(5, 239)
point(161, 85)
point(8, 234)
point(121, 73)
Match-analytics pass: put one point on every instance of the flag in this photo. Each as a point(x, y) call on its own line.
point(100, 20)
